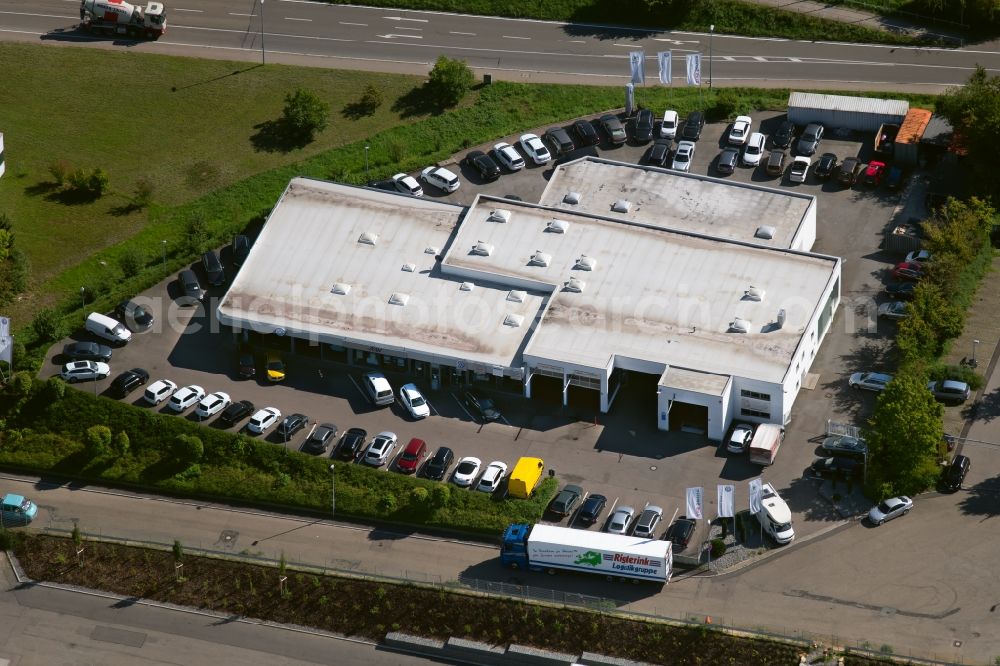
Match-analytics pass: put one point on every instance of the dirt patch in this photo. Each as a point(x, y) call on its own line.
point(371, 609)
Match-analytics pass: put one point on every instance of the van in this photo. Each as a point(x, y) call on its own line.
point(378, 389)
point(774, 516)
point(107, 328)
point(526, 475)
point(765, 443)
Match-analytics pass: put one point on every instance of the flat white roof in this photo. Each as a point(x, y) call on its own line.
point(642, 546)
point(396, 298)
point(675, 200)
point(651, 294)
point(694, 381)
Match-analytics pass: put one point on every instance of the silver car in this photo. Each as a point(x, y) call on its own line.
point(648, 521)
point(620, 519)
point(870, 381)
point(890, 508)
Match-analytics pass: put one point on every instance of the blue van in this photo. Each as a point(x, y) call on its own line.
point(16, 510)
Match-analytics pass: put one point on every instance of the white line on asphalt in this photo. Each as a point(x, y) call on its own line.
point(463, 408)
point(454, 32)
point(289, 18)
point(400, 18)
point(196, 11)
point(628, 46)
point(514, 37)
point(357, 386)
point(504, 419)
point(391, 36)
point(760, 58)
point(403, 27)
point(236, 14)
point(349, 23)
point(577, 41)
point(794, 60)
point(729, 58)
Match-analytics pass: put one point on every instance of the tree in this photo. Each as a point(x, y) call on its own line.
point(974, 111)
point(188, 449)
point(121, 444)
point(371, 99)
point(131, 262)
point(47, 326)
point(449, 81)
point(196, 233)
point(98, 440)
point(305, 115)
point(142, 195)
point(904, 436)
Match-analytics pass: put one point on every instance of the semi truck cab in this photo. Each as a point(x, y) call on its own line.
point(514, 550)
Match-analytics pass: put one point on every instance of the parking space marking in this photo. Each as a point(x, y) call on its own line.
point(467, 412)
point(357, 386)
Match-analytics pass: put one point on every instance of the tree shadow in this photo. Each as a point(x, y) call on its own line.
point(981, 499)
point(72, 197)
point(162, 469)
point(124, 209)
point(419, 101)
point(38, 189)
point(357, 110)
point(275, 136)
point(986, 409)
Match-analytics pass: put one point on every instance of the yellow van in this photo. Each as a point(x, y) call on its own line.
point(527, 472)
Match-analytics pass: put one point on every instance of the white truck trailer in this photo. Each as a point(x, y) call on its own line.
point(117, 17)
point(549, 548)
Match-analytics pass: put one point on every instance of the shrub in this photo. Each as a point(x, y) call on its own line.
point(419, 496)
point(387, 503)
point(55, 388)
point(60, 170)
point(98, 440)
point(440, 495)
point(93, 182)
point(305, 114)
point(962, 373)
point(188, 448)
point(727, 103)
point(718, 548)
point(142, 195)
point(196, 234)
point(371, 99)
point(449, 81)
point(177, 551)
point(131, 262)
point(121, 444)
point(47, 326)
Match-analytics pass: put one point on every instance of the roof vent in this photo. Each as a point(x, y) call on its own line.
point(430, 249)
point(754, 294)
point(557, 226)
point(572, 198)
point(341, 288)
point(585, 263)
point(766, 232)
point(513, 320)
point(482, 248)
point(781, 317)
point(622, 206)
point(368, 238)
point(540, 258)
point(409, 268)
point(739, 325)
point(399, 298)
point(467, 286)
point(499, 215)
point(575, 285)
point(516, 296)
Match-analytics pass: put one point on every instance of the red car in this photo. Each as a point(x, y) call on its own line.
point(412, 455)
point(874, 173)
point(908, 270)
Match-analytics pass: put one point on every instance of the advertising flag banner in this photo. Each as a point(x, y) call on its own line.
point(6, 342)
point(629, 99)
point(637, 61)
point(694, 503)
point(665, 58)
point(755, 496)
point(727, 507)
point(694, 69)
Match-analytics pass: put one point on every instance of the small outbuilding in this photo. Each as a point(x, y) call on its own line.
point(863, 114)
point(907, 148)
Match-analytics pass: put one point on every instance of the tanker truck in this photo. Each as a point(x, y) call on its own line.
point(117, 17)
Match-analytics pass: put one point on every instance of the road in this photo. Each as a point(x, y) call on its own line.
point(318, 34)
point(844, 584)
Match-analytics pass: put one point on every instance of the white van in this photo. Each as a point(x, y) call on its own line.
point(378, 389)
point(107, 328)
point(774, 515)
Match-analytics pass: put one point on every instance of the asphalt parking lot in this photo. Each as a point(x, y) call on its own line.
point(620, 455)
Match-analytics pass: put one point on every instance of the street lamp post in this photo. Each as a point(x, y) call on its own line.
point(366, 161)
point(83, 300)
point(711, 34)
point(262, 57)
point(333, 491)
point(973, 363)
point(164, 245)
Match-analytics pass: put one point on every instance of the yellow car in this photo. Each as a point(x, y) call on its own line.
point(275, 368)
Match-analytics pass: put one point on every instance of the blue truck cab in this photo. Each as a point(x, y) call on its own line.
point(514, 550)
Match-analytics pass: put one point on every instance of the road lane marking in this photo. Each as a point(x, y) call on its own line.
point(514, 37)
point(363, 25)
point(577, 41)
point(236, 14)
point(454, 32)
point(291, 18)
point(403, 27)
point(400, 18)
point(395, 36)
point(181, 9)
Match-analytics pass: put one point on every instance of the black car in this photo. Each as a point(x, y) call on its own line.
point(247, 363)
point(844, 467)
point(241, 249)
point(352, 443)
point(585, 132)
point(591, 509)
point(902, 291)
point(292, 424)
point(728, 159)
point(319, 439)
point(955, 473)
point(134, 315)
point(680, 533)
point(237, 412)
point(190, 285)
point(826, 166)
point(481, 407)
point(559, 139)
point(783, 136)
point(642, 131)
point(483, 164)
point(213, 268)
point(614, 129)
point(693, 125)
point(659, 152)
point(128, 381)
point(809, 141)
point(437, 467)
point(87, 351)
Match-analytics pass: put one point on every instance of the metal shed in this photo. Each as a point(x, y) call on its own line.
point(910, 133)
point(865, 114)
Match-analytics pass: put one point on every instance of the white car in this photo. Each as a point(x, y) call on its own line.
point(741, 130)
point(508, 156)
point(186, 397)
point(492, 477)
point(466, 471)
point(799, 169)
point(263, 419)
point(739, 441)
point(79, 371)
point(407, 185)
point(870, 381)
point(535, 149)
point(754, 150)
point(890, 508)
point(414, 401)
point(440, 178)
point(159, 391)
point(668, 128)
point(620, 519)
point(380, 450)
point(212, 404)
point(683, 156)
